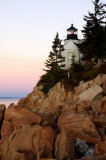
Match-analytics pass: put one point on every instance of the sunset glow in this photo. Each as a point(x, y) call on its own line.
point(27, 29)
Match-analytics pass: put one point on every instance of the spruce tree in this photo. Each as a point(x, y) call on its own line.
point(55, 59)
point(93, 32)
point(53, 71)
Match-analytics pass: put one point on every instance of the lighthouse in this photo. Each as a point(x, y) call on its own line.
point(70, 47)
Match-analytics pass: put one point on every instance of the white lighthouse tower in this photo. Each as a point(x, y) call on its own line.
point(70, 47)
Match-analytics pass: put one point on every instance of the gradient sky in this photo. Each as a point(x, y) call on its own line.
point(27, 29)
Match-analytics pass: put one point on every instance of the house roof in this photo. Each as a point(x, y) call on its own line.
point(72, 28)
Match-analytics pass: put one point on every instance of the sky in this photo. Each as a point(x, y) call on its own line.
point(27, 29)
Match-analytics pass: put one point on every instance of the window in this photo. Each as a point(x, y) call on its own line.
point(70, 54)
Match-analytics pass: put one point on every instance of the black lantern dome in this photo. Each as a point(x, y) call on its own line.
point(72, 33)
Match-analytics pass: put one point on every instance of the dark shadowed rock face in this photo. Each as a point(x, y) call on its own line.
point(81, 146)
point(64, 148)
point(2, 112)
point(93, 158)
point(83, 149)
point(103, 106)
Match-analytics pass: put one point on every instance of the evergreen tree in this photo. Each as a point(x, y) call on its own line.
point(55, 59)
point(53, 71)
point(93, 32)
point(103, 45)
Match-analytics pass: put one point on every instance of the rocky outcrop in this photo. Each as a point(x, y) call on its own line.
point(57, 96)
point(93, 93)
point(16, 117)
point(28, 143)
point(99, 80)
point(38, 101)
point(103, 106)
point(79, 126)
point(104, 87)
point(100, 149)
point(47, 126)
point(34, 100)
point(81, 120)
point(64, 148)
point(2, 112)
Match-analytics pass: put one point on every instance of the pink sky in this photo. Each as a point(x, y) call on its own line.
point(27, 29)
point(18, 77)
point(19, 74)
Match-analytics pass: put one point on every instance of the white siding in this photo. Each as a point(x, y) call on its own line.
point(70, 50)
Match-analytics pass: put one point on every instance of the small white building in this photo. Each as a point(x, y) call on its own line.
point(70, 47)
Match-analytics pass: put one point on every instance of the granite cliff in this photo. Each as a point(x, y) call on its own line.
point(62, 125)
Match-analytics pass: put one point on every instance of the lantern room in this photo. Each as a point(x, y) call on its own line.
point(72, 33)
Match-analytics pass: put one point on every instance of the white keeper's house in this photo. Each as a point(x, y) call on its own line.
point(70, 47)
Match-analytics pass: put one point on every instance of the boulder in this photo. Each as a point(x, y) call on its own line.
point(83, 150)
point(76, 98)
point(25, 102)
point(90, 152)
point(80, 146)
point(99, 80)
point(64, 148)
point(82, 87)
point(38, 101)
point(93, 93)
point(33, 100)
point(104, 87)
point(16, 117)
point(87, 107)
point(79, 126)
point(103, 106)
point(29, 143)
point(100, 149)
point(55, 99)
